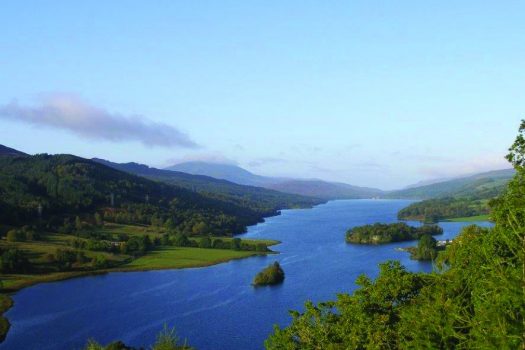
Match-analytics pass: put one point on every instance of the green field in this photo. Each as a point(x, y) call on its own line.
point(181, 257)
point(471, 218)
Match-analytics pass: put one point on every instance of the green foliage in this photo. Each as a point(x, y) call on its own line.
point(516, 154)
point(65, 259)
point(4, 327)
point(480, 186)
point(99, 262)
point(434, 210)
point(385, 233)
point(181, 240)
point(167, 340)
point(5, 303)
point(117, 345)
point(205, 242)
point(22, 235)
point(76, 193)
point(236, 244)
point(475, 300)
point(273, 274)
point(426, 248)
point(14, 261)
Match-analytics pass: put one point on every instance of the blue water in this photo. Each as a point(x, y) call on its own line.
point(214, 307)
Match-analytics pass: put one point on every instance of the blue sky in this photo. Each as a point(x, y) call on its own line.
point(375, 93)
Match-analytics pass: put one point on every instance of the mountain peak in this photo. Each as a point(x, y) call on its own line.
point(224, 171)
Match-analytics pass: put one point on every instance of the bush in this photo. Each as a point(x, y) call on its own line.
point(235, 244)
point(99, 262)
point(205, 242)
point(14, 261)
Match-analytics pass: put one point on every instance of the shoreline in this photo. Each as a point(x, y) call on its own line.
point(63, 276)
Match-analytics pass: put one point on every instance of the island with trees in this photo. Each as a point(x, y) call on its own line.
point(271, 275)
point(427, 248)
point(379, 233)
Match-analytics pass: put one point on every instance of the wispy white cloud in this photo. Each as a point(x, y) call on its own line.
point(71, 113)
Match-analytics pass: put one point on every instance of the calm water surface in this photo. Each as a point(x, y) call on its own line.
point(214, 307)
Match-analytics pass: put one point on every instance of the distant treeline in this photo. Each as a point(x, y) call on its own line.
point(434, 210)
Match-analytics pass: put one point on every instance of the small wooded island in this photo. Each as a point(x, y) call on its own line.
point(271, 275)
point(385, 233)
point(427, 248)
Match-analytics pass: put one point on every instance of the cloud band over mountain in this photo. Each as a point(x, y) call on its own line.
point(75, 115)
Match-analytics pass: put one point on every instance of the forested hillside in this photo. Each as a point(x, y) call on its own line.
point(465, 197)
point(257, 198)
point(475, 299)
point(479, 186)
point(61, 186)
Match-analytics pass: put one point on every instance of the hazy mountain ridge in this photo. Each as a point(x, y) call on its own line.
point(229, 172)
point(251, 196)
point(304, 187)
point(326, 190)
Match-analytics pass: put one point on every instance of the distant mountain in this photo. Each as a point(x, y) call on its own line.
point(312, 188)
point(228, 172)
point(325, 190)
point(11, 152)
point(427, 182)
point(261, 199)
point(483, 185)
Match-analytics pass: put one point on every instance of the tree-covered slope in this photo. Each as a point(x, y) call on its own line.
point(463, 197)
point(479, 186)
point(64, 185)
point(257, 198)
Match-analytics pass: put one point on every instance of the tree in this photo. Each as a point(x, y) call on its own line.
point(13, 236)
point(98, 220)
point(426, 248)
point(165, 240)
point(199, 228)
point(78, 224)
point(181, 240)
point(205, 242)
point(99, 262)
point(236, 244)
point(14, 261)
